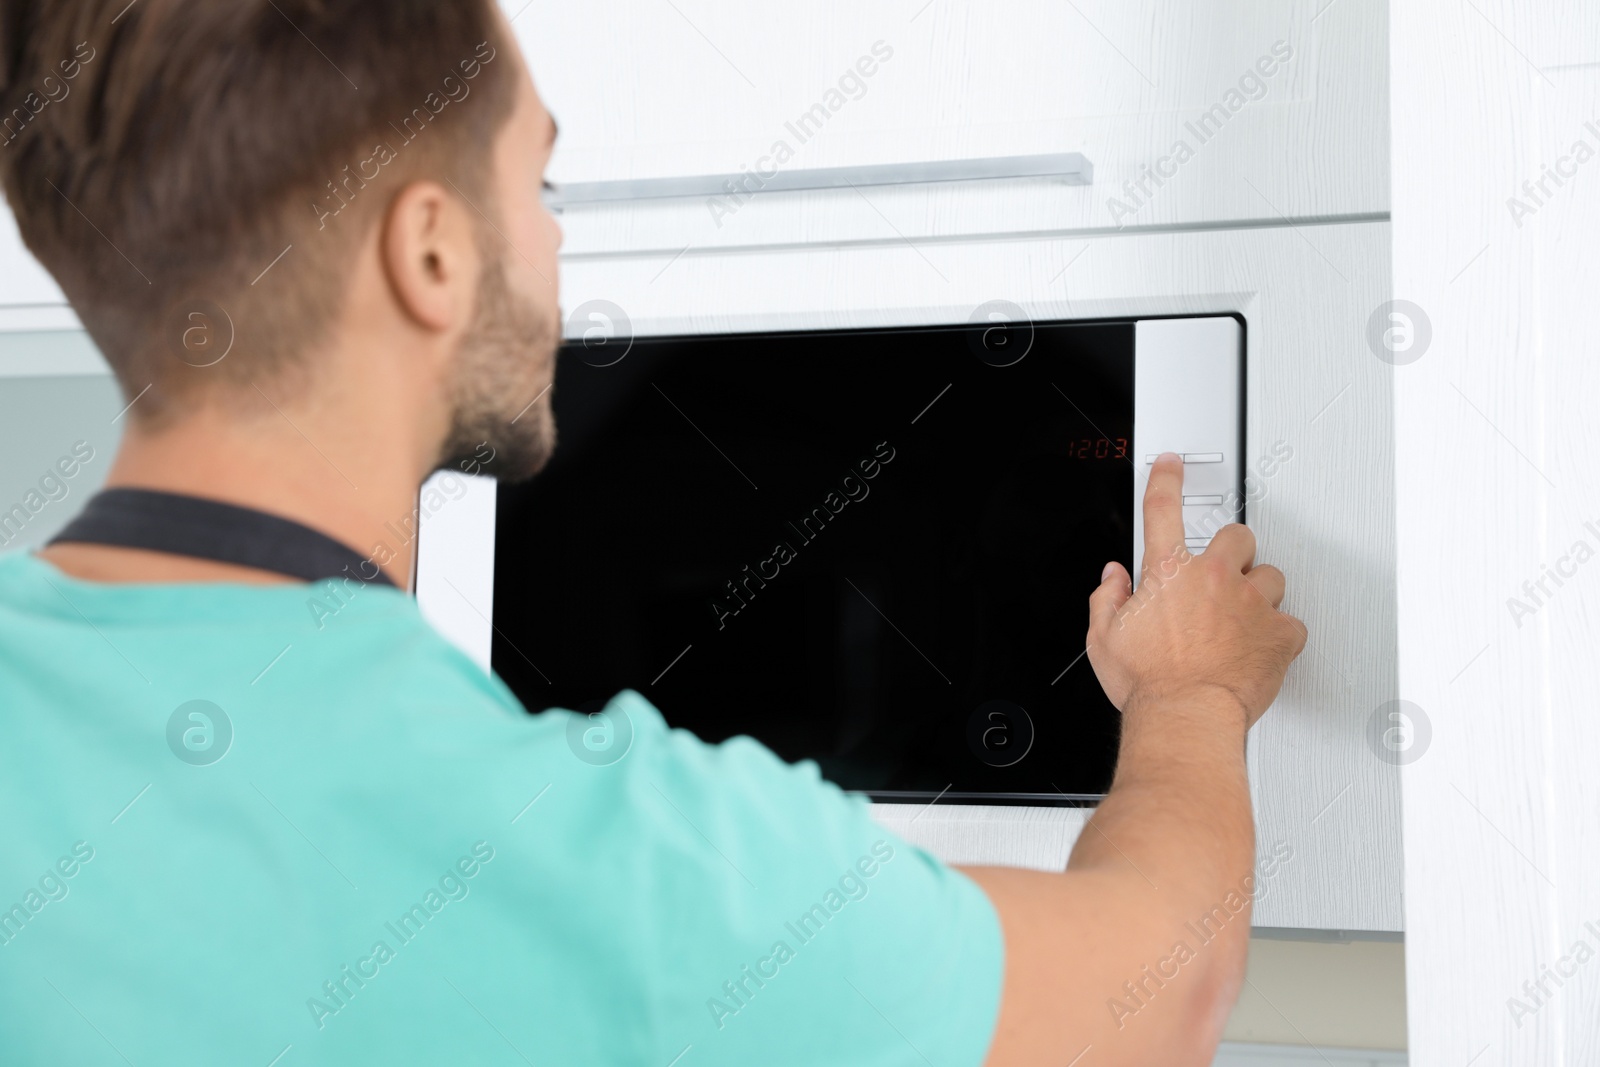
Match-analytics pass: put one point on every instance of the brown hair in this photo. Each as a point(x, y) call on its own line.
point(160, 154)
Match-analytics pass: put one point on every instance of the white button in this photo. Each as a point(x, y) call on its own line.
point(1203, 500)
point(1196, 542)
point(1202, 457)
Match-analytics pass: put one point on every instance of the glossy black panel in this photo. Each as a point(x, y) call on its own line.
point(867, 548)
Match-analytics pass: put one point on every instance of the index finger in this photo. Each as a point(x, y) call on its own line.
point(1163, 508)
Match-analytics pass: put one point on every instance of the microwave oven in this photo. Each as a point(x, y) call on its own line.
point(870, 548)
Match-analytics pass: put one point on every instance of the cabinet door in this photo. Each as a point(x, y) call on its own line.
point(1193, 112)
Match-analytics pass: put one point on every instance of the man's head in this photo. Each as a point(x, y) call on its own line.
point(293, 199)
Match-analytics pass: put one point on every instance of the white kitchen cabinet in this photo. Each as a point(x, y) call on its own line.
point(23, 281)
point(1275, 207)
point(709, 86)
point(1497, 244)
point(1280, 111)
point(1327, 801)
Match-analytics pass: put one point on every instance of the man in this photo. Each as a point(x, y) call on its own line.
point(308, 236)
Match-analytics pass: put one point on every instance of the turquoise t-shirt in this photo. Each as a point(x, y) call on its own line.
point(231, 836)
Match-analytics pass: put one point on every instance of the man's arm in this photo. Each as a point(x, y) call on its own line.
point(1136, 953)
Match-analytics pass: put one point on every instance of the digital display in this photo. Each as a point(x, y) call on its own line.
point(869, 548)
point(1100, 448)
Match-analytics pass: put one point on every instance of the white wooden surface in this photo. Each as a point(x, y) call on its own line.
point(1326, 515)
point(645, 88)
point(1497, 443)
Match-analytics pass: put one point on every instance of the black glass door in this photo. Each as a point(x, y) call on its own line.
point(870, 548)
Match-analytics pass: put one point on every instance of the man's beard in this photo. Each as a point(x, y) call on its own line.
point(494, 390)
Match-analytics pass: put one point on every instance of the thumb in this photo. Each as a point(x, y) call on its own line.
point(1114, 591)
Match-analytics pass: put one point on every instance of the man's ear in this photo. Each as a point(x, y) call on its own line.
point(430, 256)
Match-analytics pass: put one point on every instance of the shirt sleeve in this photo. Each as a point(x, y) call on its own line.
point(788, 926)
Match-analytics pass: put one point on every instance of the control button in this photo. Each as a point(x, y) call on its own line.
point(1215, 501)
point(1196, 542)
point(1150, 461)
point(1202, 457)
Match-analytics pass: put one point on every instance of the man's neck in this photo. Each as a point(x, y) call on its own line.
point(350, 478)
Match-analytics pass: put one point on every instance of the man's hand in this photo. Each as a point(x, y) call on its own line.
point(1192, 660)
point(1197, 623)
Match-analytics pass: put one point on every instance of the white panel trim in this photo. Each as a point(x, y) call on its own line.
point(1187, 390)
point(1039, 839)
point(455, 561)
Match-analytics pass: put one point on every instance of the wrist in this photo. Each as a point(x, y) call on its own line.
point(1208, 703)
point(1195, 730)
